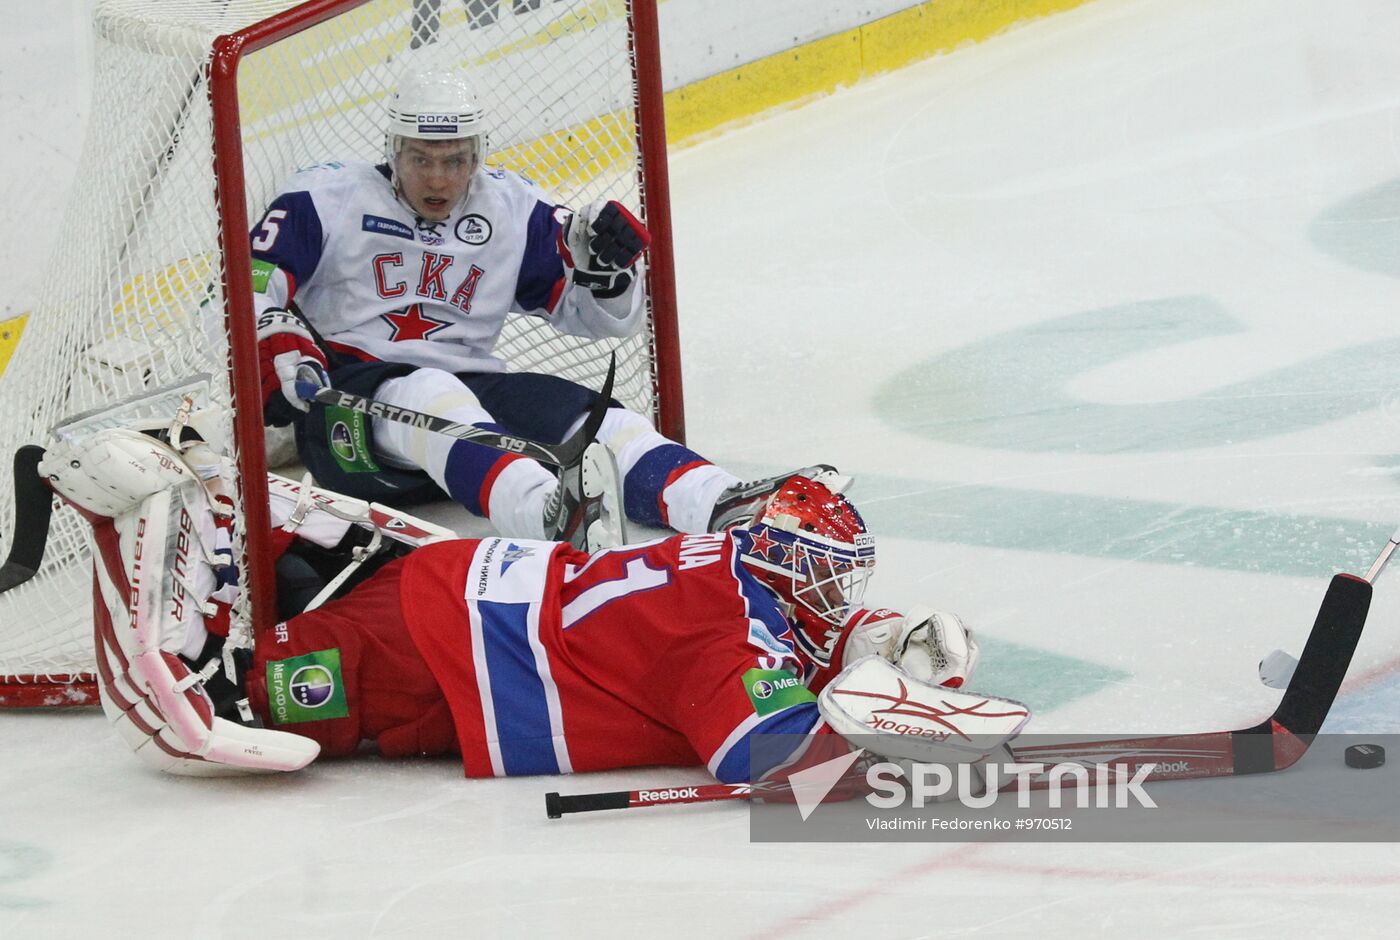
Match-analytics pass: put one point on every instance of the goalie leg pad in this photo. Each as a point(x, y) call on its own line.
point(153, 583)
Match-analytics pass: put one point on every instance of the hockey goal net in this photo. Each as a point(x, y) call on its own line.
point(201, 110)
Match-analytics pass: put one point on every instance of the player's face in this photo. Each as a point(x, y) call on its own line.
point(433, 175)
point(832, 586)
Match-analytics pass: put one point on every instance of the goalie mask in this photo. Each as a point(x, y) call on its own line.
point(435, 141)
point(809, 545)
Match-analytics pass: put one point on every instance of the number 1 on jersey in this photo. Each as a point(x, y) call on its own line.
point(638, 576)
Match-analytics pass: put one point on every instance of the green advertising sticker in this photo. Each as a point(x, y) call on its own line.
point(772, 690)
point(306, 688)
point(348, 435)
point(262, 273)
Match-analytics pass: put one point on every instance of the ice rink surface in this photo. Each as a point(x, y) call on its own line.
point(1102, 316)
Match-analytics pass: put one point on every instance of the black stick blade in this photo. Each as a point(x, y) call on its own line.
point(33, 510)
point(556, 805)
point(570, 451)
point(1327, 655)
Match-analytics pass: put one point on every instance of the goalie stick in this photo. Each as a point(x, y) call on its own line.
point(33, 511)
point(563, 454)
point(1275, 743)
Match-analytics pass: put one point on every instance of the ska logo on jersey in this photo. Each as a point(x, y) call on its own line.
point(412, 323)
point(473, 229)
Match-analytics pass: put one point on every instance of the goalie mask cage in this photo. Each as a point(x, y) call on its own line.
point(201, 111)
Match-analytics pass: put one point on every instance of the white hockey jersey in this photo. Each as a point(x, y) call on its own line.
point(378, 283)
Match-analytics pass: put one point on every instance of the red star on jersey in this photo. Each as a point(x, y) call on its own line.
point(410, 323)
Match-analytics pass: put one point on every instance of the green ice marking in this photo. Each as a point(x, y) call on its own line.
point(1009, 391)
point(1186, 534)
point(1363, 231)
point(1041, 679)
point(17, 863)
point(1103, 527)
point(1116, 528)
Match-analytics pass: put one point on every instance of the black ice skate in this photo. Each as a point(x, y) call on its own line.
point(738, 504)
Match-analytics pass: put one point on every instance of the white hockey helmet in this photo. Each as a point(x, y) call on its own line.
point(434, 104)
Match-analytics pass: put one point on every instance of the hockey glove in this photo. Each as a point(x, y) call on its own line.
point(286, 348)
point(602, 244)
point(931, 645)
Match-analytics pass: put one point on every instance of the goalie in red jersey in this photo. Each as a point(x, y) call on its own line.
point(525, 657)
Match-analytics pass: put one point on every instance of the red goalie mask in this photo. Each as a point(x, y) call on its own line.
point(810, 547)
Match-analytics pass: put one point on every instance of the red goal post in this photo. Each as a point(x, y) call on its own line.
point(200, 112)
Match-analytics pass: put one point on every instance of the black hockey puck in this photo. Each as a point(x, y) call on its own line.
point(1365, 755)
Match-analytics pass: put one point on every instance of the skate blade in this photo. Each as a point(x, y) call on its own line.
point(601, 481)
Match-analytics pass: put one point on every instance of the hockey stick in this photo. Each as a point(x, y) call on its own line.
point(564, 454)
point(33, 510)
point(1274, 744)
point(556, 805)
point(1278, 741)
point(34, 501)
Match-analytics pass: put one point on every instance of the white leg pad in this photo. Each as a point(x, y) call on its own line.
point(151, 562)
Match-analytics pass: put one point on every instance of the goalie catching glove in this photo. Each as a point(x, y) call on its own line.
point(287, 353)
point(160, 583)
point(602, 243)
point(933, 646)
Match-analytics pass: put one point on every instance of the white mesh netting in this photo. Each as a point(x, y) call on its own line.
point(132, 299)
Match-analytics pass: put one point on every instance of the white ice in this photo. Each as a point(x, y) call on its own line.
point(1174, 219)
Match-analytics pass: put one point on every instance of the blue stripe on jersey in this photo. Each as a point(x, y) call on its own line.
point(296, 236)
point(641, 488)
point(517, 692)
point(737, 766)
point(763, 607)
point(542, 268)
point(468, 464)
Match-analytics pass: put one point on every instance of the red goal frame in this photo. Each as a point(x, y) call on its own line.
point(222, 87)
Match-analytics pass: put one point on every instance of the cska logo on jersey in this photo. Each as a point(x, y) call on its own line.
point(412, 323)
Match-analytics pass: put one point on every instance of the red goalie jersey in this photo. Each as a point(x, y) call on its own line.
point(533, 658)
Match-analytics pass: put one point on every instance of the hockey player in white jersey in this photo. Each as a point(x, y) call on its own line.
point(394, 281)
